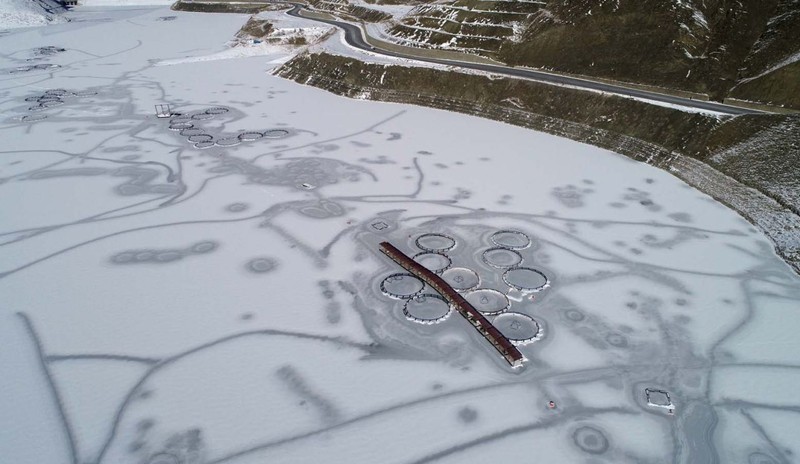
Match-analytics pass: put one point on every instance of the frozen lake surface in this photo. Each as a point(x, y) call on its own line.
point(207, 288)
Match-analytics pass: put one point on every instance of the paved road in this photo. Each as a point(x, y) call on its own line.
point(353, 36)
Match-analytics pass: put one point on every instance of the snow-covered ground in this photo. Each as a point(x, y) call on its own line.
point(27, 13)
point(207, 288)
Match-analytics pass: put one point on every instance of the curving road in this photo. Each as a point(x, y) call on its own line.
point(354, 37)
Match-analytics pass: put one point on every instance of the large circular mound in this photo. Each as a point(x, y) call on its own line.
point(590, 440)
point(402, 286)
point(434, 262)
point(517, 327)
point(435, 242)
point(526, 279)
point(501, 258)
point(461, 278)
point(512, 239)
point(427, 308)
point(488, 301)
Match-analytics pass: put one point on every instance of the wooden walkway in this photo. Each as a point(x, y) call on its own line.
point(509, 352)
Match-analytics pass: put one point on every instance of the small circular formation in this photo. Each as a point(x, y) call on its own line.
point(200, 138)
point(228, 142)
point(33, 118)
point(276, 133)
point(250, 136)
point(461, 278)
point(511, 239)
point(574, 315)
point(204, 247)
point(180, 118)
point(36, 67)
point(191, 131)
point(168, 256)
point(261, 265)
point(590, 440)
point(526, 279)
point(519, 328)
point(84, 93)
point(501, 258)
point(488, 301)
point(617, 340)
point(144, 255)
point(204, 145)
point(179, 126)
point(435, 242)
point(432, 261)
point(217, 110)
point(402, 286)
point(123, 258)
point(51, 103)
point(427, 308)
point(237, 207)
point(202, 116)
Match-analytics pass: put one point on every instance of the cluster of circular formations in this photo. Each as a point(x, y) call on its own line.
point(184, 124)
point(49, 99)
point(504, 255)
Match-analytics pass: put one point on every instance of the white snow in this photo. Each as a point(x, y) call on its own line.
point(24, 13)
point(201, 305)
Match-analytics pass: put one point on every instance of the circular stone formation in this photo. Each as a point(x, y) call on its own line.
point(488, 301)
point(461, 278)
point(517, 327)
point(204, 145)
point(217, 110)
point(191, 131)
point(228, 141)
point(512, 239)
point(250, 136)
point(590, 440)
point(237, 207)
point(435, 242)
point(617, 340)
point(123, 258)
point(204, 247)
point(402, 286)
point(261, 265)
point(574, 315)
point(51, 103)
point(502, 258)
point(34, 118)
point(276, 133)
point(426, 309)
point(180, 126)
point(200, 138)
point(526, 279)
point(168, 256)
point(144, 255)
point(84, 93)
point(434, 262)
